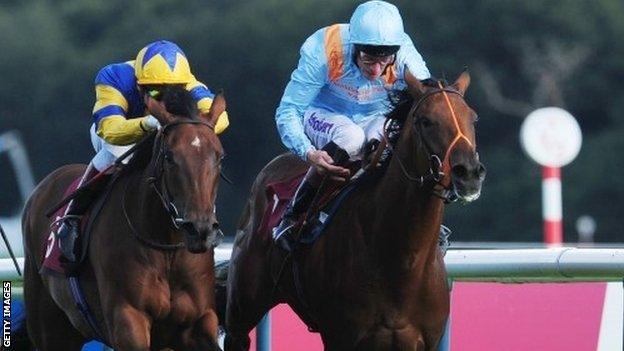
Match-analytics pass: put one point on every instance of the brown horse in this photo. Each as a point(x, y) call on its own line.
point(145, 290)
point(375, 279)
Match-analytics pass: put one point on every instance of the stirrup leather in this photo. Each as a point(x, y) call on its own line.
point(65, 222)
point(284, 228)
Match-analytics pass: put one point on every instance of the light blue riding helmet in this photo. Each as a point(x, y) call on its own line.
point(376, 23)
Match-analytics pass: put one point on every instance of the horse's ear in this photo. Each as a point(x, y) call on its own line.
point(216, 109)
point(165, 118)
point(462, 82)
point(415, 87)
point(159, 111)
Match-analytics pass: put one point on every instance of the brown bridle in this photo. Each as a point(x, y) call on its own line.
point(159, 185)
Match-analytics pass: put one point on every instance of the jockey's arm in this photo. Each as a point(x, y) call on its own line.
point(204, 97)
point(409, 57)
point(109, 115)
point(305, 83)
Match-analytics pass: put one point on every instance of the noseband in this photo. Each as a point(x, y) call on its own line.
point(437, 165)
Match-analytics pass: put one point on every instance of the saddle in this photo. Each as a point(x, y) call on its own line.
point(312, 223)
point(52, 257)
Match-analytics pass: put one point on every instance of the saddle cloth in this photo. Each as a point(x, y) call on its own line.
point(279, 195)
point(52, 254)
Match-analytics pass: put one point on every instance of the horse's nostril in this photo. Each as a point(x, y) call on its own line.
point(465, 173)
point(215, 226)
point(459, 171)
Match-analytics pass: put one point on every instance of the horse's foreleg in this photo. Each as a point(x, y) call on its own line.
point(237, 341)
point(246, 304)
point(240, 323)
point(203, 337)
point(131, 329)
point(242, 317)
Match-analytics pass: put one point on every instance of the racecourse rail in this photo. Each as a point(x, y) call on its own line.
point(560, 264)
point(556, 264)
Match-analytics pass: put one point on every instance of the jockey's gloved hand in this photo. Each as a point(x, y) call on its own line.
point(150, 123)
point(325, 164)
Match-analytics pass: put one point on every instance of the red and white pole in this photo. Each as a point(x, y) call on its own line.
point(552, 205)
point(551, 137)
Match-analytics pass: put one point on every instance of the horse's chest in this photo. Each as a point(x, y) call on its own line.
point(176, 305)
point(184, 306)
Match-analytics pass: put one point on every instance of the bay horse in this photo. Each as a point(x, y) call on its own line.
point(145, 290)
point(375, 279)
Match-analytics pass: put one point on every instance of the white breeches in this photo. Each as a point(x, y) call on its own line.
point(106, 153)
point(322, 126)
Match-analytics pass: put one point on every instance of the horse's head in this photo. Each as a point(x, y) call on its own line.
point(440, 125)
point(186, 167)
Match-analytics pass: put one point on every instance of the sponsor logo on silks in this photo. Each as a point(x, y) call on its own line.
point(319, 125)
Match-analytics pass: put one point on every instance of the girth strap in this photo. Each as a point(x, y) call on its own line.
point(83, 307)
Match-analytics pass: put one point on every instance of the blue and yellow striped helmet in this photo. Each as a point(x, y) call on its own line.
point(162, 62)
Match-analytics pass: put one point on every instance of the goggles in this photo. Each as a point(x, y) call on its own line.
point(371, 60)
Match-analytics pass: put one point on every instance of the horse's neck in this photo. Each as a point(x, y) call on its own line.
point(409, 217)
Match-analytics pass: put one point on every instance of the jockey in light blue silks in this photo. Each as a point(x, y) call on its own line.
point(128, 96)
point(337, 97)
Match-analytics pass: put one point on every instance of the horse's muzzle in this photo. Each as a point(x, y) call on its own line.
point(467, 178)
point(200, 236)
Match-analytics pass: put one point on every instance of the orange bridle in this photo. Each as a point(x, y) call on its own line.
point(438, 168)
point(459, 135)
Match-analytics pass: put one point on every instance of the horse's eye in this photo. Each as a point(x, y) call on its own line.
point(169, 158)
point(426, 122)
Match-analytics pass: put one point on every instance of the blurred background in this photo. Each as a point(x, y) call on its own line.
point(522, 55)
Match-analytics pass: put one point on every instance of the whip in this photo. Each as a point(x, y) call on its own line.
point(8, 245)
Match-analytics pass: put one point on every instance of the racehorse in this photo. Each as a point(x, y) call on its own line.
point(145, 291)
point(375, 279)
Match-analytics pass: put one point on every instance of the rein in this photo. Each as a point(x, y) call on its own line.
point(436, 169)
point(142, 240)
point(178, 221)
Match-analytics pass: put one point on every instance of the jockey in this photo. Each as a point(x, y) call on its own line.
point(337, 97)
point(128, 96)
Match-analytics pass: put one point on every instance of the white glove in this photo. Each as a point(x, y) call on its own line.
point(150, 123)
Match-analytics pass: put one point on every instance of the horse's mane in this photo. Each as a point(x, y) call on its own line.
point(400, 104)
point(142, 156)
point(401, 100)
point(179, 101)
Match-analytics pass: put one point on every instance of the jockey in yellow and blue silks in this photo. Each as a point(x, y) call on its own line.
point(120, 112)
point(127, 96)
point(337, 96)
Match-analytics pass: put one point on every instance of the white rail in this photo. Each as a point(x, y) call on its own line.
point(564, 264)
point(11, 142)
